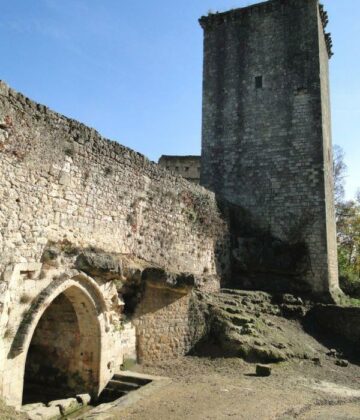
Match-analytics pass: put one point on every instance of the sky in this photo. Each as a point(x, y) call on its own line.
point(132, 69)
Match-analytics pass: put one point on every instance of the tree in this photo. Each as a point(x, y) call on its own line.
point(348, 229)
point(340, 169)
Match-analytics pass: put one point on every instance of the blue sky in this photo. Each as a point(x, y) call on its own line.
point(132, 69)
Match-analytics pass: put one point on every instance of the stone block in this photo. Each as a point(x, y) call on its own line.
point(263, 370)
point(66, 406)
point(84, 399)
point(45, 413)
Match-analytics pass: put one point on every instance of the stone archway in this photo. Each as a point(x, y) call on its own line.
point(63, 357)
point(83, 301)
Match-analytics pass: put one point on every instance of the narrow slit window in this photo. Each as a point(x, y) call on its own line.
point(258, 82)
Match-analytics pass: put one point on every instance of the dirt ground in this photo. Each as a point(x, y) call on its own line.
point(227, 388)
point(204, 388)
point(309, 385)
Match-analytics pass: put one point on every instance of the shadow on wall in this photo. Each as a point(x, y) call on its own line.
point(261, 261)
point(337, 328)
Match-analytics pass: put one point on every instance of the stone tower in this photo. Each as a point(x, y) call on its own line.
point(266, 131)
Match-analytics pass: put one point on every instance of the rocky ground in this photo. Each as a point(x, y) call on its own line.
point(256, 326)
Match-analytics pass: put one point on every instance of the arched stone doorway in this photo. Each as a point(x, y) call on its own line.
point(63, 358)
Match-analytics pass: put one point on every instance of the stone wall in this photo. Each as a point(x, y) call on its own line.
point(74, 207)
point(167, 323)
point(266, 141)
point(62, 180)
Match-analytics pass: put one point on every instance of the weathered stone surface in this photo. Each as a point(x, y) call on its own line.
point(160, 277)
point(45, 413)
point(99, 264)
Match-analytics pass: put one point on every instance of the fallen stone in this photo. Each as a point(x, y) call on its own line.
point(316, 361)
point(293, 311)
point(31, 407)
point(66, 406)
point(263, 370)
point(84, 399)
point(44, 413)
point(280, 346)
point(342, 363)
point(291, 299)
point(332, 353)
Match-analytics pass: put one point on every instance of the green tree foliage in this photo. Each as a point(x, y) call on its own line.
point(348, 229)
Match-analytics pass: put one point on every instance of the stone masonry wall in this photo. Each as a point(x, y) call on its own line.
point(266, 124)
point(62, 180)
point(167, 324)
point(65, 188)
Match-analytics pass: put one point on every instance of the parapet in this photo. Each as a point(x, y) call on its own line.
point(237, 15)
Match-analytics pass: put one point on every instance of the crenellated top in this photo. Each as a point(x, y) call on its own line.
point(325, 20)
point(237, 15)
point(216, 19)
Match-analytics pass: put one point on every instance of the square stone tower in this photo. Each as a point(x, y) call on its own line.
point(266, 131)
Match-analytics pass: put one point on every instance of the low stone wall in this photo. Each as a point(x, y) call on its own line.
point(338, 321)
point(167, 323)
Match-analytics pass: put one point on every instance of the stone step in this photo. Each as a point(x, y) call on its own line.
point(120, 385)
point(131, 379)
point(233, 310)
point(254, 296)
